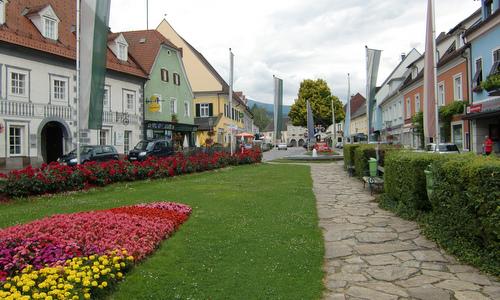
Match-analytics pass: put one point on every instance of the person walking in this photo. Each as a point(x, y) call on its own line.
point(488, 145)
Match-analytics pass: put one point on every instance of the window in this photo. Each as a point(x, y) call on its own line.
point(408, 108)
point(414, 73)
point(417, 103)
point(15, 140)
point(59, 89)
point(177, 79)
point(2, 12)
point(126, 141)
point(495, 67)
point(106, 99)
point(173, 105)
point(204, 110)
point(164, 75)
point(18, 84)
point(400, 110)
point(478, 76)
point(440, 94)
point(129, 97)
point(186, 109)
point(103, 137)
point(457, 136)
point(122, 52)
point(488, 8)
point(457, 87)
point(50, 28)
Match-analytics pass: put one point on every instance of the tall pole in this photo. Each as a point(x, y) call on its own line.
point(368, 96)
point(78, 81)
point(349, 103)
point(334, 130)
point(147, 14)
point(436, 102)
point(231, 98)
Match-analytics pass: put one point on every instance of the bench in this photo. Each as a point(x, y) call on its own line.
point(373, 182)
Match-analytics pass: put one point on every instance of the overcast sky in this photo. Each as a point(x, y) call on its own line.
point(295, 39)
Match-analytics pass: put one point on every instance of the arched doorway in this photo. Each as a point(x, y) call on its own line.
point(52, 141)
point(301, 142)
point(293, 143)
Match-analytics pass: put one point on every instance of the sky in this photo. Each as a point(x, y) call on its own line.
point(295, 39)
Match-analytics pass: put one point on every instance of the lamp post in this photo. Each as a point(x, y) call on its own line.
point(334, 130)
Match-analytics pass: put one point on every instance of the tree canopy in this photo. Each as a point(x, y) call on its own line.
point(260, 117)
point(320, 97)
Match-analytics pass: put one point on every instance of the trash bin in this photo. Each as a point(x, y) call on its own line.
point(429, 180)
point(372, 164)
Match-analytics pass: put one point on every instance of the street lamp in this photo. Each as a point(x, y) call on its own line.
point(334, 136)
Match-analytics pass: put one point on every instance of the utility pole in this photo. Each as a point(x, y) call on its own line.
point(78, 126)
point(230, 98)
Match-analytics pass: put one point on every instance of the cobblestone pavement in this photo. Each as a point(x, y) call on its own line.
point(373, 254)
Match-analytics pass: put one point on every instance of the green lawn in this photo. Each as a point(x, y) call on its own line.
point(253, 234)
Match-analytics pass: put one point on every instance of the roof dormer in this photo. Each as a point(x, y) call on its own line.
point(119, 46)
point(3, 8)
point(45, 20)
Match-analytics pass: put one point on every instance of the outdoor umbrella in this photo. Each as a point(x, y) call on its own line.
point(186, 143)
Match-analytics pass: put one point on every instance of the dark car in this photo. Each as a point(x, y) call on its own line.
point(90, 153)
point(151, 148)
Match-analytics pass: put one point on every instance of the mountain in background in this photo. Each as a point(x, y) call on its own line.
point(269, 107)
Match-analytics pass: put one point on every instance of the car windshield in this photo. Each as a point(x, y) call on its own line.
point(83, 150)
point(144, 146)
point(448, 148)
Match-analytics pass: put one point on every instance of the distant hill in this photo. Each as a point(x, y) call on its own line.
point(268, 107)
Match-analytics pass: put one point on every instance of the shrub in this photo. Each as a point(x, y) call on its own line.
point(55, 178)
point(364, 152)
point(404, 180)
point(465, 215)
point(349, 155)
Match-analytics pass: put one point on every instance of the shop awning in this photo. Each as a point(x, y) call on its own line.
point(482, 115)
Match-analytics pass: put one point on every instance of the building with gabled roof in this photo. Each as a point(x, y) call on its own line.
point(38, 86)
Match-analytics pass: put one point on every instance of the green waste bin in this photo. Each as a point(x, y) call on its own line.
point(429, 180)
point(372, 163)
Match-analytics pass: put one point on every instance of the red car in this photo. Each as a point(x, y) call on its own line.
point(322, 147)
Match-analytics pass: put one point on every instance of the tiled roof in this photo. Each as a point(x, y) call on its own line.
point(356, 102)
point(19, 30)
point(144, 46)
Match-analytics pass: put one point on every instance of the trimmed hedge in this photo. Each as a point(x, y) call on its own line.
point(404, 180)
point(349, 154)
point(364, 152)
point(465, 216)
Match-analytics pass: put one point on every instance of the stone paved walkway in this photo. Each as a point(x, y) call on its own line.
point(373, 254)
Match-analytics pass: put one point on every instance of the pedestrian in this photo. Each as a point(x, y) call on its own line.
point(488, 145)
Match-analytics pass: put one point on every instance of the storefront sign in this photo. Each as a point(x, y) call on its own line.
point(485, 106)
point(171, 126)
point(154, 103)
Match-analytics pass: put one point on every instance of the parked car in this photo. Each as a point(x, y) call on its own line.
point(446, 148)
point(151, 148)
point(339, 145)
point(90, 153)
point(282, 146)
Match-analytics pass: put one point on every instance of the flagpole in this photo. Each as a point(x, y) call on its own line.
point(334, 131)
point(231, 98)
point(78, 81)
point(147, 14)
point(434, 65)
point(349, 103)
point(368, 95)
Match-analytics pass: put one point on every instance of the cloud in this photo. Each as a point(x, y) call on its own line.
point(295, 39)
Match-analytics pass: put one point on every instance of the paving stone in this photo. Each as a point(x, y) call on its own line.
point(429, 293)
point(411, 263)
point(334, 250)
point(458, 285)
point(474, 278)
point(428, 255)
point(376, 237)
point(403, 256)
point(389, 247)
point(410, 235)
point(359, 211)
point(366, 293)
point(381, 260)
point(404, 227)
point(492, 291)
point(336, 296)
point(461, 268)
point(385, 287)
point(351, 269)
point(467, 295)
point(425, 243)
point(335, 284)
point(419, 280)
point(391, 273)
point(354, 260)
point(438, 274)
point(433, 266)
point(347, 277)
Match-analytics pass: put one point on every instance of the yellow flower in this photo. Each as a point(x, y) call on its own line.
point(6, 286)
point(26, 288)
point(94, 283)
point(104, 284)
point(86, 296)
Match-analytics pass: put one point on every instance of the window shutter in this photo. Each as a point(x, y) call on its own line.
point(198, 110)
point(210, 109)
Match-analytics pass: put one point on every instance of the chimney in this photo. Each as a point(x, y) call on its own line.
point(403, 56)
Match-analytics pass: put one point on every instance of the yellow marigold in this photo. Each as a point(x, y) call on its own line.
point(86, 296)
point(104, 284)
point(94, 283)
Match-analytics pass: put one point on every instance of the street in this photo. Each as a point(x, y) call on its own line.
point(276, 154)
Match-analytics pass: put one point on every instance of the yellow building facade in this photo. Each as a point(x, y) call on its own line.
point(211, 93)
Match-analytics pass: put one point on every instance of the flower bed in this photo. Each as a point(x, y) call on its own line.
point(78, 254)
point(55, 178)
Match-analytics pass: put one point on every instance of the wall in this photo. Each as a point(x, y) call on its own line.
point(360, 123)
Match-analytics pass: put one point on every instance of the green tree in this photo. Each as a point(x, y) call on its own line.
point(260, 117)
point(320, 97)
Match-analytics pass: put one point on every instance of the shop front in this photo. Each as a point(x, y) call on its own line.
point(181, 135)
point(485, 121)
